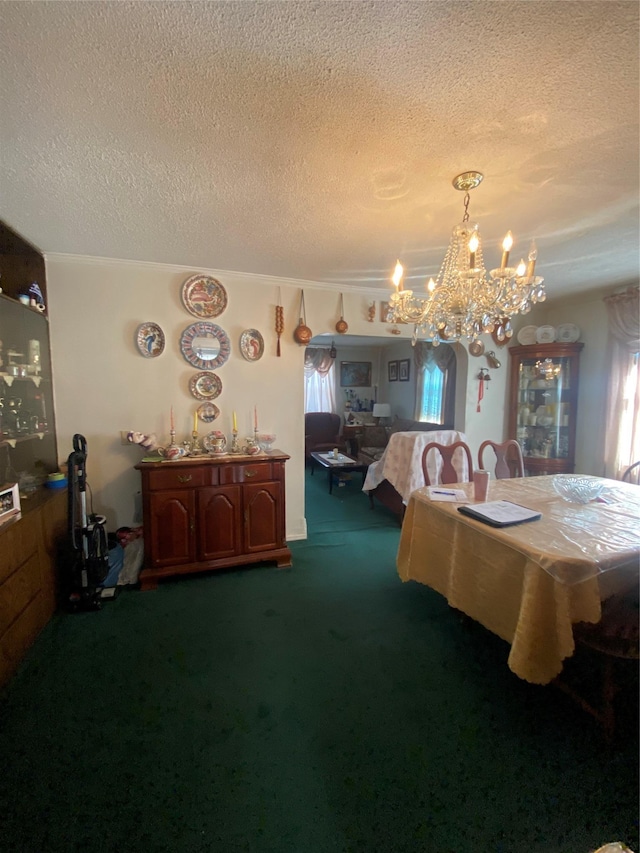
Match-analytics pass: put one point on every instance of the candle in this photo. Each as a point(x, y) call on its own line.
point(255, 418)
point(474, 242)
point(235, 423)
point(397, 276)
point(533, 254)
point(507, 243)
point(195, 421)
point(172, 427)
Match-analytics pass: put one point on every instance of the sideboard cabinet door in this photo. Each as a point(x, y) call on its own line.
point(262, 509)
point(171, 527)
point(219, 522)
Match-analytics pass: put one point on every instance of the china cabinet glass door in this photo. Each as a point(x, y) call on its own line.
point(544, 388)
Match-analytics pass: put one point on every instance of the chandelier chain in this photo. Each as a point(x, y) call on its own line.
point(467, 199)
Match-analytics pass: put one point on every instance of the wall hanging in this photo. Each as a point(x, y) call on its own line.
point(279, 322)
point(150, 340)
point(204, 296)
point(251, 344)
point(302, 334)
point(341, 325)
point(205, 386)
point(205, 346)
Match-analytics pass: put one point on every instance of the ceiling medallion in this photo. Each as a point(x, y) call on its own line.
point(464, 301)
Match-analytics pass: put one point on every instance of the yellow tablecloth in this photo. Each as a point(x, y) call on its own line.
point(528, 583)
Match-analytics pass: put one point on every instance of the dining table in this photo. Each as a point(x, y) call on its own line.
point(527, 583)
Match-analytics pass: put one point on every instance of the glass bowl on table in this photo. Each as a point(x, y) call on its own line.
point(266, 440)
point(578, 488)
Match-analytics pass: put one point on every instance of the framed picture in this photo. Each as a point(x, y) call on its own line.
point(9, 501)
point(404, 369)
point(355, 374)
point(393, 371)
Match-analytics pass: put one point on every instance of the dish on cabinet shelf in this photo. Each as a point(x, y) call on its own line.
point(150, 340)
point(204, 296)
point(205, 386)
point(527, 335)
point(208, 412)
point(568, 333)
point(251, 344)
point(546, 334)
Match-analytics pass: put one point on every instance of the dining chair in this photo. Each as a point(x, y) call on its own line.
point(509, 462)
point(632, 474)
point(447, 474)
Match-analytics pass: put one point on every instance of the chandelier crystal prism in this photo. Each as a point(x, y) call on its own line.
point(464, 301)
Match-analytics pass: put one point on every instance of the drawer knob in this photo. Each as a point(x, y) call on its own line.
point(184, 478)
point(249, 473)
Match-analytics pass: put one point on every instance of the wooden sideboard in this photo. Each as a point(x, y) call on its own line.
point(28, 584)
point(212, 513)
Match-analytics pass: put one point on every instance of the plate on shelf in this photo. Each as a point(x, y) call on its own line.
point(204, 296)
point(527, 335)
point(546, 334)
point(568, 333)
point(208, 412)
point(149, 340)
point(205, 386)
point(251, 344)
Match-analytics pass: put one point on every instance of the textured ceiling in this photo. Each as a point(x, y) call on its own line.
point(318, 140)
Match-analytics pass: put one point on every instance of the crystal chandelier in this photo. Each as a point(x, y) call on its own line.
point(464, 301)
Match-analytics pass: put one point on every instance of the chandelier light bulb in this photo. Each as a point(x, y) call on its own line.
point(533, 254)
point(397, 276)
point(522, 268)
point(507, 243)
point(474, 242)
point(431, 285)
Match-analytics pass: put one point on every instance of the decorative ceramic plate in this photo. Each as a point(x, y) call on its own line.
point(204, 296)
point(476, 348)
point(546, 334)
point(208, 412)
point(251, 344)
point(205, 386)
point(150, 340)
point(527, 335)
point(215, 442)
point(568, 333)
point(205, 346)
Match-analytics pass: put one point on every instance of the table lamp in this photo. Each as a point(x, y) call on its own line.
point(381, 410)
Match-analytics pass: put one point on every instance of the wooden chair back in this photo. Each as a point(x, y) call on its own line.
point(448, 474)
point(509, 462)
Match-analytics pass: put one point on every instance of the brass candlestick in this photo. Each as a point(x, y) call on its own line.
point(196, 448)
point(234, 442)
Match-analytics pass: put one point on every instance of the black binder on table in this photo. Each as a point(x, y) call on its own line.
point(500, 513)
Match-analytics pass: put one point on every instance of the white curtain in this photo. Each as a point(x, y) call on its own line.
point(319, 380)
point(435, 382)
point(622, 442)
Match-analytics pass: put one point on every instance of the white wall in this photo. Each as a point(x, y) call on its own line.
point(103, 385)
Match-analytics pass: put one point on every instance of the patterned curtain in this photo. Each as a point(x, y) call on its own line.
point(622, 439)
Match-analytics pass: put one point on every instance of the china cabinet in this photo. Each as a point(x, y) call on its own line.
point(212, 513)
point(28, 540)
point(543, 405)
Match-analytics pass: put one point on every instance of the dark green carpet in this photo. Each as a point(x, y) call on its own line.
point(327, 707)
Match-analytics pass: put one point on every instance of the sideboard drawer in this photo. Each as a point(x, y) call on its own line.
point(250, 472)
point(180, 477)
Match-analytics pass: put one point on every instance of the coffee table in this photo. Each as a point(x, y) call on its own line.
point(335, 466)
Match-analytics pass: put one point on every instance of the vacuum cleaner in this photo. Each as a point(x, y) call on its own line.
point(87, 535)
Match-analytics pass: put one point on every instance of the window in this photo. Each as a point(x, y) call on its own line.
point(319, 381)
point(622, 439)
point(435, 384)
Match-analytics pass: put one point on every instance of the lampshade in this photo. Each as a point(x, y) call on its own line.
point(381, 410)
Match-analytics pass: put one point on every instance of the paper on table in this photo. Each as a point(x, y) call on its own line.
point(500, 513)
point(437, 493)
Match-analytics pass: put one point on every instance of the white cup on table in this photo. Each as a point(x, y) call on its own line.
point(481, 484)
point(335, 452)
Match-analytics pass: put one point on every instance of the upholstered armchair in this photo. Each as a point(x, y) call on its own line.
point(322, 433)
